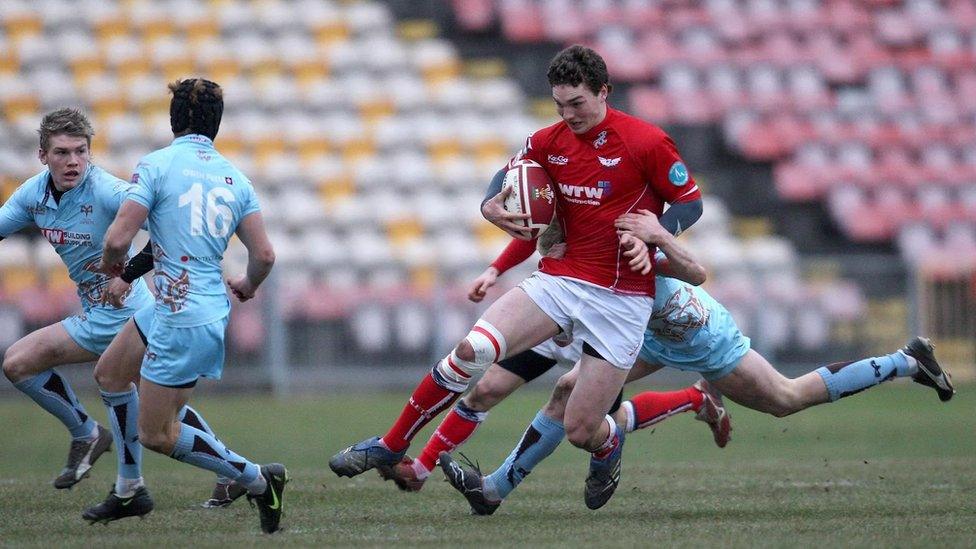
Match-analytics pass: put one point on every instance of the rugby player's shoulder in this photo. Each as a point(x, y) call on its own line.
point(545, 135)
point(38, 180)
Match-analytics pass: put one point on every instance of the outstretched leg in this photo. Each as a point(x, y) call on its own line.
point(754, 383)
point(512, 324)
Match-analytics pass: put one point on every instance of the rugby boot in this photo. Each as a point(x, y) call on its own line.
point(402, 474)
point(81, 457)
point(713, 413)
point(363, 456)
point(929, 372)
point(604, 475)
point(224, 493)
point(270, 502)
point(115, 508)
point(470, 482)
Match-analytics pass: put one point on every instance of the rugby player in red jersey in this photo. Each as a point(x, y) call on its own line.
point(604, 164)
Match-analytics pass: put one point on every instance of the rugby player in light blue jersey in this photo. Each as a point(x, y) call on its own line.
point(689, 330)
point(72, 202)
point(195, 200)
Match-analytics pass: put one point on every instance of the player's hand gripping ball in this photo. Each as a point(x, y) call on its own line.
point(532, 194)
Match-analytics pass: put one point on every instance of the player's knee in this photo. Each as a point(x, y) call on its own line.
point(783, 405)
point(578, 435)
point(483, 346)
point(465, 351)
point(14, 366)
point(108, 380)
point(564, 386)
point(155, 440)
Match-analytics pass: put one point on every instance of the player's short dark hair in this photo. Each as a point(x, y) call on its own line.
point(577, 65)
point(66, 121)
point(196, 107)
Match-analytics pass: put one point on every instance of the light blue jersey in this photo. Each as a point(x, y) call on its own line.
point(196, 199)
point(690, 330)
point(75, 225)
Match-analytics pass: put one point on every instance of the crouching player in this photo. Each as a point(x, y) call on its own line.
point(691, 331)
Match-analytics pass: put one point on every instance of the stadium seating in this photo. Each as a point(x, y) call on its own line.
point(370, 147)
point(834, 93)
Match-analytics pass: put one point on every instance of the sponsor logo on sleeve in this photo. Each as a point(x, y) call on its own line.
point(558, 160)
point(678, 174)
point(229, 180)
point(135, 179)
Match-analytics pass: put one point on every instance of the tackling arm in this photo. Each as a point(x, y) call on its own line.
point(678, 263)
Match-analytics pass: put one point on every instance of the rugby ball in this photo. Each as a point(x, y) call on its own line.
point(532, 193)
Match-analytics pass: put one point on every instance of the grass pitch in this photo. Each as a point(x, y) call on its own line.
point(889, 467)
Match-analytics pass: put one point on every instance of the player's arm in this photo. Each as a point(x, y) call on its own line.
point(117, 289)
point(677, 261)
point(516, 252)
point(14, 215)
point(118, 237)
point(260, 256)
point(138, 265)
point(682, 215)
point(493, 209)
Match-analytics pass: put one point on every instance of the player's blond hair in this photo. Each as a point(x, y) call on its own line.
point(66, 121)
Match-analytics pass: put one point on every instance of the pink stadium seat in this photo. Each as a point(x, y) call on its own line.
point(641, 14)
point(657, 47)
point(796, 182)
point(474, 15)
point(650, 104)
point(522, 21)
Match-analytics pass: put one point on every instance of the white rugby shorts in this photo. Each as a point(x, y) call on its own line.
point(612, 323)
point(565, 356)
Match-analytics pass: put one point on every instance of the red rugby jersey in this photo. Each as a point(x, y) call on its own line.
point(621, 165)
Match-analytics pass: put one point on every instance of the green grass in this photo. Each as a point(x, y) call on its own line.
point(890, 467)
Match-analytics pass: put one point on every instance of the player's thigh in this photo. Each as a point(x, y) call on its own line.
point(597, 385)
point(119, 364)
point(521, 322)
point(642, 369)
point(43, 349)
point(492, 388)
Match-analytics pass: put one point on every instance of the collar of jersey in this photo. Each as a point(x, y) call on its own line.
point(194, 138)
point(591, 134)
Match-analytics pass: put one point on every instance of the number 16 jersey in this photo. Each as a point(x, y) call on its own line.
point(196, 198)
